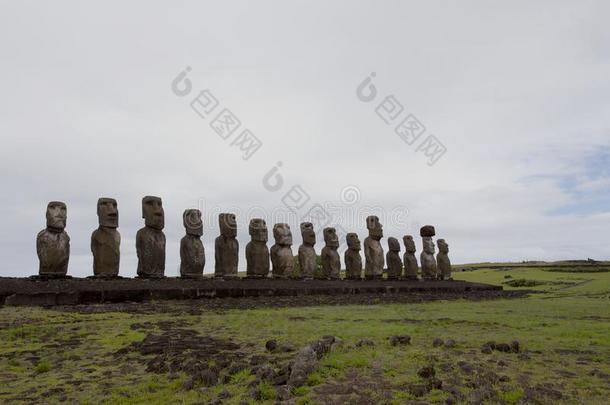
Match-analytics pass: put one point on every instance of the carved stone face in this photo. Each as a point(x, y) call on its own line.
point(107, 213)
point(393, 244)
point(57, 213)
point(352, 241)
point(282, 234)
point(409, 243)
point(192, 222)
point(442, 246)
point(228, 225)
point(152, 212)
point(308, 234)
point(374, 227)
point(330, 237)
point(428, 245)
point(258, 230)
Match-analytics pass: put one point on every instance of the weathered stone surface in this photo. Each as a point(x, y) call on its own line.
point(226, 247)
point(257, 252)
point(353, 260)
point(331, 263)
point(428, 263)
point(400, 340)
point(192, 253)
point(150, 240)
point(281, 253)
point(442, 260)
point(427, 230)
point(20, 291)
point(106, 240)
point(53, 243)
point(307, 360)
point(373, 251)
point(393, 259)
point(409, 259)
point(307, 252)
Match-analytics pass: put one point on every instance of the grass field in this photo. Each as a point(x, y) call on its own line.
point(93, 356)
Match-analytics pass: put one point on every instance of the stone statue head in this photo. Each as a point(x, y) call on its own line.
point(57, 213)
point(308, 234)
point(258, 230)
point(428, 245)
point(393, 244)
point(282, 234)
point(107, 212)
point(228, 225)
point(352, 241)
point(409, 243)
point(443, 246)
point(330, 237)
point(152, 212)
point(193, 224)
point(374, 226)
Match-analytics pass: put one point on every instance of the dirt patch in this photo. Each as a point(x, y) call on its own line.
point(184, 350)
point(354, 388)
point(574, 351)
point(403, 320)
point(542, 393)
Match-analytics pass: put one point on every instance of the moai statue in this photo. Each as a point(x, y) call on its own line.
point(192, 253)
point(307, 253)
point(226, 247)
point(150, 240)
point(409, 259)
point(257, 252)
point(281, 252)
point(393, 259)
point(442, 259)
point(353, 260)
point(428, 263)
point(373, 252)
point(331, 262)
point(53, 243)
point(106, 240)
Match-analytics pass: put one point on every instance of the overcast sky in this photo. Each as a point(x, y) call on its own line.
point(517, 92)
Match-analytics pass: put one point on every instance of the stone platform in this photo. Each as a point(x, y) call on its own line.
point(73, 291)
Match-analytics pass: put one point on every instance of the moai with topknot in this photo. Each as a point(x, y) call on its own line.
point(393, 259)
point(428, 263)
point(150, 240)
point(281, 252)
point(331, 262)
point(106, 240)
point(307, 253)
point(442, 260)
point(353, 260)
point(373, 251)
point(409, 259)
point(53, 243)
point(257, 252)
point(226, 247)
point(192, 253)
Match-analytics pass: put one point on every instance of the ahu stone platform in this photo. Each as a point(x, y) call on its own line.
point(74, 291)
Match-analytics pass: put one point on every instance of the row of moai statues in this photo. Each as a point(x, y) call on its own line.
point(53, 248)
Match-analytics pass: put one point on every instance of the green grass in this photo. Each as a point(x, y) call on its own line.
point(52, 356)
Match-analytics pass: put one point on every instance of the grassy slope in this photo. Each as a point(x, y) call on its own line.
point(50, 356)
